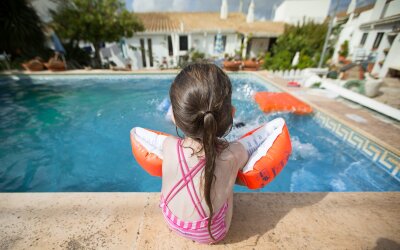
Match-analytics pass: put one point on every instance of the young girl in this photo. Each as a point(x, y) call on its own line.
point(200, 169)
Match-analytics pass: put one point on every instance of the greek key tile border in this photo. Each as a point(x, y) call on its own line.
point(384, 158)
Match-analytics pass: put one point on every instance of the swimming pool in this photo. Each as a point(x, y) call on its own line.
point(71, 133)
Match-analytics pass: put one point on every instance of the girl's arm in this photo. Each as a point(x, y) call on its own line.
point(241, 157)
point(245, 147)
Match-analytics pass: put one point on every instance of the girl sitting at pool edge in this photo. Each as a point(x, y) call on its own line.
point(199, 171)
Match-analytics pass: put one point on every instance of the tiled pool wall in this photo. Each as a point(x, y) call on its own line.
point(384, 158)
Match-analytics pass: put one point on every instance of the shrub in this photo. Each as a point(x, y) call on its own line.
point(308, 39)
point(197, 56)
point(344, 49)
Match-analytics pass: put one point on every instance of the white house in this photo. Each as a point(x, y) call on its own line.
point(374, 30)
point(300, 11)
point(350, 22)
point(169, 36)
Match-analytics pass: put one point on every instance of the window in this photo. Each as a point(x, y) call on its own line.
point(170, 48)
point(363, 39)
point(142, 50)
point(150, 52)
point(223, 41)
point(378, 40)
point(183, 43)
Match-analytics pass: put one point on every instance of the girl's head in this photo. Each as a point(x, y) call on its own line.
point(201, 104)
point(201, 101)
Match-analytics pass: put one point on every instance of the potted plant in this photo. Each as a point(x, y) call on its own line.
point(344, 51)
point(251, 65)
point(231, 64)
point(260, 58)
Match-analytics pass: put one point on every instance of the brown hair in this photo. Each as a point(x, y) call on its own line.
point(201, 103)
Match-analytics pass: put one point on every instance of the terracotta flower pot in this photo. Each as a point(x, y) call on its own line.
point(232, 65)
point(251, 65)
point(342, 59)
point(33, 65)
point(360, 73)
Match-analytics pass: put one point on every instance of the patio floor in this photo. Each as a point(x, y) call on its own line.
point(261, 221)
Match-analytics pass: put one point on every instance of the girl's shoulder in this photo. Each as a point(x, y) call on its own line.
point(236, 153)
point(170, 140)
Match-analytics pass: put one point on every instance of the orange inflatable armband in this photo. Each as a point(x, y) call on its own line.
point(270, 157)
point(262, 167)
point(145, 151)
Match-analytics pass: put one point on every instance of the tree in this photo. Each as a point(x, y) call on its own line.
point(308, 39)
point(94, 21)
point(21, 29)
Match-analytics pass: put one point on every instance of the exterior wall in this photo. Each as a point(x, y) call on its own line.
point(232, 44)
point(258, 45)
point(294, 11)
point(377, 10)
point(392, 58)
point(159, 44)
point(352, 33)
point(207, 42)
point(198, 42)
point(202, 42)
point(392, 9)
point(379, 69)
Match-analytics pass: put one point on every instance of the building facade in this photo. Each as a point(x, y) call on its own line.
point(300, 11)
point(373, 33)
point(169, 37)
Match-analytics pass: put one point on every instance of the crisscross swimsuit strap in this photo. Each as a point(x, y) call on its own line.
point(187, 181)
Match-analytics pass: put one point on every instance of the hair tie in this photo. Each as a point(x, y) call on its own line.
point(208, 112)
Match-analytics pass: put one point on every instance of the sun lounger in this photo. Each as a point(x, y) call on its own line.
point(363, 100)
point(55, 64)
point(33, 65)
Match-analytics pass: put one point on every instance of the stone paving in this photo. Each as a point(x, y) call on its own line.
point(261, 221)
point(390, 92)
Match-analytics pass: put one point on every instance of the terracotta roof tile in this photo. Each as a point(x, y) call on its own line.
point(207, 22)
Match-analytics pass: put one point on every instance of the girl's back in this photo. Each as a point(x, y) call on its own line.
point(227, 166)
point(199, 172)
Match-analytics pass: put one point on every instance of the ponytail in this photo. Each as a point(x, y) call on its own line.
point(201, 101)
point(209, 144)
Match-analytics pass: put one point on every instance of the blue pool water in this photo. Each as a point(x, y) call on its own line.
point(72, 134)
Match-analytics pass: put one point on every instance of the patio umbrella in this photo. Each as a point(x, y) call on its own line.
point(57, 43)
point(123, 48)
point(219, 47)
point(296, 58)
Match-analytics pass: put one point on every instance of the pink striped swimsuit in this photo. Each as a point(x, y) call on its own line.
point(194, 230)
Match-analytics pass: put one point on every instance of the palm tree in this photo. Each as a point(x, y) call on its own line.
point(21, 29)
